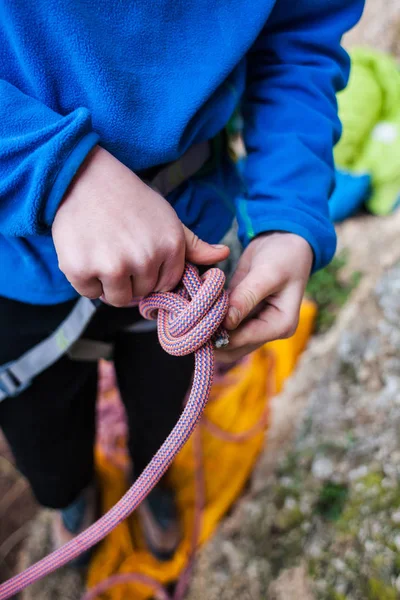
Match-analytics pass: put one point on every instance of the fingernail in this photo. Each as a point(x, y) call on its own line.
point(218, 246)
point(234, 316)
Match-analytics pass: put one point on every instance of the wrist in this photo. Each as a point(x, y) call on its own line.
point(291, 243)
point(66, 175)
point(86, 171)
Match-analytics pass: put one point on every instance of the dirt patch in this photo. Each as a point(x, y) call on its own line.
point(17, 508)
point(291, 583)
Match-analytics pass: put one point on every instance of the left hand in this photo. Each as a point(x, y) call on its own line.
point(266, 293)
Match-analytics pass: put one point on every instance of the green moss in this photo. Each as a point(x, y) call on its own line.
point(379, 562)
point(289, 518)
point(312, 567)
point(332, 500)
point(369, 572)
point(289, 465)
point(378, 590)
point(329, 292)
point(396, 565)
point(282, 492)
point(334, 595)
point(382, 499)
point(372, 479)
point(348, 371)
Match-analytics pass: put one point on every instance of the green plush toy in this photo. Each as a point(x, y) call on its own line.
point(369, 109)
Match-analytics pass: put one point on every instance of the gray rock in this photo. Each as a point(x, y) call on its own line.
point(322, 468)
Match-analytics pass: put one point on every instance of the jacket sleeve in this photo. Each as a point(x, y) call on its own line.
point(40, 151)
point(295, 68)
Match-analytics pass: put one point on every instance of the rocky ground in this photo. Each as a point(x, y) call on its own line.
point(17, 508)
point(322, 518)
point(325, 523)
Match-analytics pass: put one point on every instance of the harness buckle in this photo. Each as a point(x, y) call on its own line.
point(10, 384)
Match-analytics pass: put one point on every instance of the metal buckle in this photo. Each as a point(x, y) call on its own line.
point(10, 384)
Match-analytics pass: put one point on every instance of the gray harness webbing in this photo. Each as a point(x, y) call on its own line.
point(17, 375)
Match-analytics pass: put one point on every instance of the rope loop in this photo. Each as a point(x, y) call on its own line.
point(192, 315)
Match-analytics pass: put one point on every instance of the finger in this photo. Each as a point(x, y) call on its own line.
point(271, 323)
point(91, 288)
point(117, 290)
point(171, 272)
point(238, 276)
point(256, 331)
point(245, 297)
point(200, 252)
point(143, 283)
point(228, 357)
point(242, 269)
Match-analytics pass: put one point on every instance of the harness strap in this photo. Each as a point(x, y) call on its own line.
point(17, 375)
point(171, 176)
point(142, 327)
point(85, 350)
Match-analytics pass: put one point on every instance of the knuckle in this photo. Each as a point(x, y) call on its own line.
point(145, 266)
point(140, 270)
point(191, 240)
point(171, 278)
point(288, 328)
point(284, 274)
point(173, 244)
point(145, 290)
point(114, 270)
point(75, 272)
point(90, 290)
point(119, 298)
point(143, 287)
point(120, 302)
point(250, 299)
point(66, 266)
point(285, 333)
point(93, 294)
point(172, 250)
point(174, 276)
point(195, 241)
point(143, 262)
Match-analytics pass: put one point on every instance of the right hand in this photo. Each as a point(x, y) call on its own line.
point(116, 237)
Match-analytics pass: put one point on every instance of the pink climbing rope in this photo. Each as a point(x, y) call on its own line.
point(110, 446)
point(188, 321)
point(160, 592)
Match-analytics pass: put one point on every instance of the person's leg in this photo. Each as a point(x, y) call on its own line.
point(50, 429)
point(50, 426)
point(153, 387)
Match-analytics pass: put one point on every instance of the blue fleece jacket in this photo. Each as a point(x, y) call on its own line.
point(146, 80)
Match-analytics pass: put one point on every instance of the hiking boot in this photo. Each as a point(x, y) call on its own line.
point(75, 518)
point(159, 522)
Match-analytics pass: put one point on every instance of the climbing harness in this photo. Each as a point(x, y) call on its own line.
point(188, 321)
point(17, 375)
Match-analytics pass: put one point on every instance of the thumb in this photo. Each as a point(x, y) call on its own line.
point(200, 252)
point(246, 296)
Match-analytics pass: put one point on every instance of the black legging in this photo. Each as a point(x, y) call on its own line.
point(51, 425)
